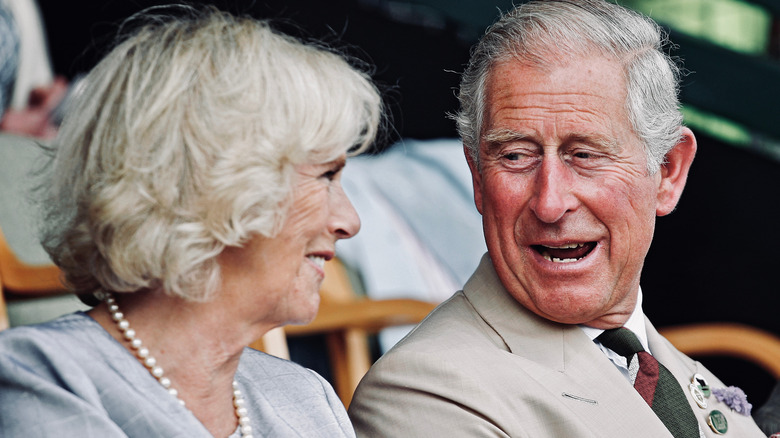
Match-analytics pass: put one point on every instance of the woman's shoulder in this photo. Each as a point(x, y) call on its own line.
point(51, 348)
point(291, 399)
point(278, 381)
point(69, 377)
point(57, 333)
point(258, 365)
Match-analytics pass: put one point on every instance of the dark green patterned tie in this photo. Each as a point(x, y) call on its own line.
point(655, 383)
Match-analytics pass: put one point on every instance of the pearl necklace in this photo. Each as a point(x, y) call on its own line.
point(150, 363)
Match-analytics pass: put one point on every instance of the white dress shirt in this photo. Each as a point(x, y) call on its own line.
point(635, 323)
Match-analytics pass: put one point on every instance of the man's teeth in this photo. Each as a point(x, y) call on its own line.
point(568, 246)
point(556, 259)
point(319, 261)
point(550, 258)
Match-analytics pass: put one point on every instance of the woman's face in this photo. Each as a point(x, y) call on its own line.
point(281, 276)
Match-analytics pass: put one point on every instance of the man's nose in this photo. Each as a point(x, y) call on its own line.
point(552, 191)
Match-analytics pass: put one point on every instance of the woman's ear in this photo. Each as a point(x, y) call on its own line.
point(674, 173)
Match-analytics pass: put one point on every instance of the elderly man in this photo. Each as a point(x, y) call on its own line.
point(571, 127)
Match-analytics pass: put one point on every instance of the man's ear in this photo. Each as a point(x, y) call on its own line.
point(476, 179)
point(674, 173)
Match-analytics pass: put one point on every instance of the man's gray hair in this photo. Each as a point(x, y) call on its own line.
point(540, 32)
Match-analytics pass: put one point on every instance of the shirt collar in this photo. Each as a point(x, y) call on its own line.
point(635, 323)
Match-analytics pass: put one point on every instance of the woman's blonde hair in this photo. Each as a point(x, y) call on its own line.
point(184, 141)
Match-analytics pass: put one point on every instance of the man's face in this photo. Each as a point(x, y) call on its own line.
point(567, 203)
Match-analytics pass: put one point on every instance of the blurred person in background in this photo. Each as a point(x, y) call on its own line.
point(37, 98)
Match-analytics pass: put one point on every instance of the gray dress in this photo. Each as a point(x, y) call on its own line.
point(70, 378)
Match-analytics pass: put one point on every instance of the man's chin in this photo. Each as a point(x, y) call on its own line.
point(569, 311)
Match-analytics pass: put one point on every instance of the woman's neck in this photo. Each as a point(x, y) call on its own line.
point(196, 344)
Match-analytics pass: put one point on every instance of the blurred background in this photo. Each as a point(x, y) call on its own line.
point(713, 259)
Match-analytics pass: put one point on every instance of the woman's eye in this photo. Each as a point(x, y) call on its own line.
point(330, 175)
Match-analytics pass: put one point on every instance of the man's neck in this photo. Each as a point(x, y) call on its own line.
point(635, 323)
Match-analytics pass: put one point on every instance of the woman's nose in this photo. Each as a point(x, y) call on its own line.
point(345, 221)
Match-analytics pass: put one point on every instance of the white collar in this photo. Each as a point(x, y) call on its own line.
point(635, 323)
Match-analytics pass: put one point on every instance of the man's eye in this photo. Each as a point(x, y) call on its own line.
point(519, 159)
point(586, 154)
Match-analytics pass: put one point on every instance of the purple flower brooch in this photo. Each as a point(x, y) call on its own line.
point(734, 398)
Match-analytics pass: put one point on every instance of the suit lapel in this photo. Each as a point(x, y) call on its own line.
point(682, 367)
point(567, 362)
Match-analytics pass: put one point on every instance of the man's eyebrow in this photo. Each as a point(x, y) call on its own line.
point(607, 144)
point(503, 135)
point(494, 138)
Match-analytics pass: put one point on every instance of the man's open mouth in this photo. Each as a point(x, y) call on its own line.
point(568, 253)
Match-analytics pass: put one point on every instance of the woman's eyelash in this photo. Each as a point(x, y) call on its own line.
point(331, 174)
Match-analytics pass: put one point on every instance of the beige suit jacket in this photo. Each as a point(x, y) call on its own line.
point(483, 365)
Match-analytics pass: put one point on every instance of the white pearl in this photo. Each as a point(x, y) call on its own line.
point(238, 402)
point(129, 334)
point(173, 392)
point(165, 382)
point(157, 372)
point(123, 325)
point(246, 430)
point(113, 308)
point(243, 421)
point(150, 362)
point(241, 412)
point(117, 316)
point(136, 344)
point(143, 352)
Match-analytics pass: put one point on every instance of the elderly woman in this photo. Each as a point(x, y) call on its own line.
point(195, 197)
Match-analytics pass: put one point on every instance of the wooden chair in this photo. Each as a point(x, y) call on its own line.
point(22, 278)
point(346, 321)
point(728, 339)
point(4, 324)
point(25, 269)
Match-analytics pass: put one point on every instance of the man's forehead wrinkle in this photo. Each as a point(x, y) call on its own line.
point(510, 91)
point(561, 103)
